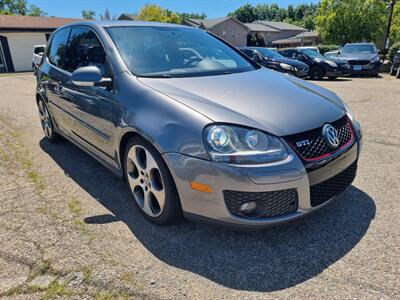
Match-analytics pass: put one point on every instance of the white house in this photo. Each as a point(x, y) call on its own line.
point(18, 35)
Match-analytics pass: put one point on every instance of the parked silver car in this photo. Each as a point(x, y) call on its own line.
point(195, 127)
point(37, 54)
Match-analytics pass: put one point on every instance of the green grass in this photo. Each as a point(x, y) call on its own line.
point(54, 290)
point(75, 206)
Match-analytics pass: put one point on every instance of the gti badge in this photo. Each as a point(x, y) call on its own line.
point(330, 135)
point(303, 143)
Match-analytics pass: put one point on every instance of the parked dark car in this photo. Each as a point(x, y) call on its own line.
point(395, 68)
point(319, 65)
point(273, 60)
point(363, 58)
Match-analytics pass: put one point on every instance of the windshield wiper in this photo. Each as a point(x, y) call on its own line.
point(157, 76)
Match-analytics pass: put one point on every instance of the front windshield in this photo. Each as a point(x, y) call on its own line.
point(269, 53)
point(156, 51)
point(364, 49)
point(311, 53)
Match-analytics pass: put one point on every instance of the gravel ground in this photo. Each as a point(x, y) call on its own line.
point(68, 228)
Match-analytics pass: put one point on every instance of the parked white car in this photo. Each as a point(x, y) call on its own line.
point(38, 51)
point(331, 54)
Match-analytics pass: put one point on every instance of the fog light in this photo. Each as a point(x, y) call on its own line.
point(248, 207)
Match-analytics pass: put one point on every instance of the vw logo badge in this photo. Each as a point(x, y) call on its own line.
point(330, 134)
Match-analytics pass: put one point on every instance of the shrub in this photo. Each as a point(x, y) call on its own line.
point(392, 51)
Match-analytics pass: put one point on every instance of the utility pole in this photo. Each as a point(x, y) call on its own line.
point(391, 5)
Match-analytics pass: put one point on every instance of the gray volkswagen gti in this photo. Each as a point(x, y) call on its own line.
point(195, 127)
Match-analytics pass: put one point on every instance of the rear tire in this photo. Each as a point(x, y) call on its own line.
point(151, 182)
point(317, 73)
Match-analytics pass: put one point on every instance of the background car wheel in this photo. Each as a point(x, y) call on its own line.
point(317, 73)
point(392, 71)
point(151, 182)
point(398, 72)
point(46, 122)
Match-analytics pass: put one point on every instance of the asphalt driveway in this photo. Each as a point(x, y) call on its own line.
point(69, 229)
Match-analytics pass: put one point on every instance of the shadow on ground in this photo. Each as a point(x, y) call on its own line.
point(268, 260)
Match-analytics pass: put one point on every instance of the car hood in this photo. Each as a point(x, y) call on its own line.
point(291, 62)
point(358, 56)
point(264, 99)
point(337, 60)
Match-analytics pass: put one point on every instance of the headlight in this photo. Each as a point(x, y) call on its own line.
point(287, 67)
point(375, 59)
point(331, 63)
point(233, 144)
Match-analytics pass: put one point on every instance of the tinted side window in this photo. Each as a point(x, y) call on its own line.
point(250, 53)
point(286, 53)
point(58, 48)
point(84, 49)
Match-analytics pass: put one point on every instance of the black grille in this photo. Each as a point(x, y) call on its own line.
point(269, 204)
point(359, 62)
point(322, 192)
point(316, 146)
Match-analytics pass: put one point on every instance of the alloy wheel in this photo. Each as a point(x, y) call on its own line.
point(145, 180)
point(45, 120)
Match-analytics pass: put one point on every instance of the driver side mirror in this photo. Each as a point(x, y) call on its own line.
point(90, 76)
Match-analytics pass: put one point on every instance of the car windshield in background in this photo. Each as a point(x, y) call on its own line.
point(152, 51)
point(269, 53)
point(364, 49)
point(311, 53)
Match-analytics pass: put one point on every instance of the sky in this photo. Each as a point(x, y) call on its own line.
point(212, 8)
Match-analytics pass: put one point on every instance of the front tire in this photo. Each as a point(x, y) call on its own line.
point(46, 122)
point(317, 73)
point(392, 71)
point(151, 183)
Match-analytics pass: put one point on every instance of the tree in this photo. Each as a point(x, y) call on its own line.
point(88, 14)
point(19, 7)
point(36, 11)
point(107, 16)
point(302, 15)
point(13, 7)
point(245, 14)
point(343, 21)
point(155, 13)
point(395, 30)
point(185, 16)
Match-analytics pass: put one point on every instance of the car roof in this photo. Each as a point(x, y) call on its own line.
point(115, 23)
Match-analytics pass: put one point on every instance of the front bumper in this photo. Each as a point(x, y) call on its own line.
point(289, 174)
point(302, 73)
point(370, 69)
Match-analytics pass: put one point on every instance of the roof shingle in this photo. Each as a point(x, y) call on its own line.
point(27, 22)
point(280, 25)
